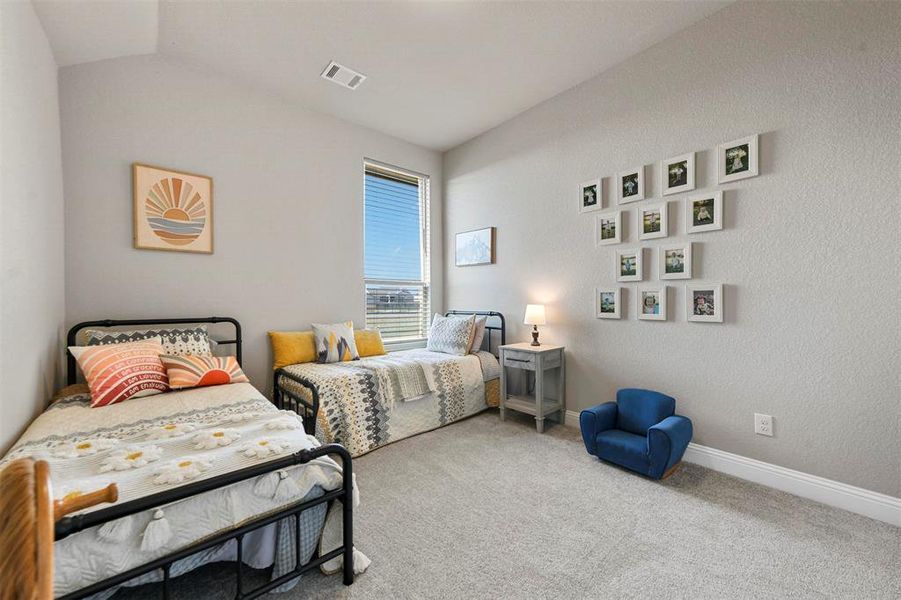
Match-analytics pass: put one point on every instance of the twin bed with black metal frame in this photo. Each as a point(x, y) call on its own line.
point(79, 522)
point(300, 393)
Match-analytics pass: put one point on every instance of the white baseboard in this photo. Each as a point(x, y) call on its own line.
point(841, 495)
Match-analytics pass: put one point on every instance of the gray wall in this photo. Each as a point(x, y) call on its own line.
point(287, 201)
point(32, 303)
point(809, 254)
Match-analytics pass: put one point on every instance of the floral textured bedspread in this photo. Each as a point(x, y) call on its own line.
point(360, 403)
point(155, 443)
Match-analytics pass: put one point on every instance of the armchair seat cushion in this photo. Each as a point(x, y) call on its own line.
point(624, 449)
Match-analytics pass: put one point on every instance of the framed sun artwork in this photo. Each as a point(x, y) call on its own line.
point(173, 210)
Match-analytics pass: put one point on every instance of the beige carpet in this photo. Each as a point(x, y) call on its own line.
point(484, 509)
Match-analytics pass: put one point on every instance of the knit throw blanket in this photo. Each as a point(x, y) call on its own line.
point(400, 379)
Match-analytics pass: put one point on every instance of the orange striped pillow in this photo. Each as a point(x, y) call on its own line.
point(121, 371)
point(198, 371)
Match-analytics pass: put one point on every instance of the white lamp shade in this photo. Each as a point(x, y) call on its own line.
point(535, 315)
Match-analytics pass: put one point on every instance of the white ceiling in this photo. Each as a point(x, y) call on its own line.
point(84, 31)
point(439, 73)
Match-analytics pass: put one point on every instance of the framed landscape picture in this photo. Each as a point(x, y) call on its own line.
point(608, 228)
point(704, 303)
point(474, 247)
point(704, 212)
point(630, 185)
point(173, 210)
point(652, 221)
point(737, 159)
point(591, 196)
point(674, 261)
point(628, 265)
point(607, 302)
point(677, 174)
point(651, 304)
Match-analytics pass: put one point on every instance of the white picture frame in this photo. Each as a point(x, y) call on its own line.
point(635, 273)
point(737, 159)
point(601, 228)
point(602, 297)
point(704, 212)
point(630, 185)
point(683, 178)
point(674, 261)
point(476, 247)
point(698, 294)
point(657, 225)
point(647, 311)
point(585, 190)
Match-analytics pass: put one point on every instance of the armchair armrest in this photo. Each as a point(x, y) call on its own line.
point(667, 441)
point(593, 421)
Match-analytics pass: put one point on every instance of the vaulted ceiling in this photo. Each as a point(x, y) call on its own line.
point(439, 73)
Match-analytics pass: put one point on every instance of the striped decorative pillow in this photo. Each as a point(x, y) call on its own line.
point(199, 371)
point(121, 371)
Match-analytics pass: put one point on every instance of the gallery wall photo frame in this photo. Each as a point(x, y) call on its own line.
point(704, 302)
point(737, 159)
point(653, 221)
point(172, 210)
point(608, 228)
point(591, 195)
point(704, 212)
point(475, 247)
point(629, 265)
point(677, 174)
point(630, 185)
point(608, 302)
point(650, 303)
point(674, 261)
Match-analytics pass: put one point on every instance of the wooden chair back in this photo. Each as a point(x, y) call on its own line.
point(27, 515)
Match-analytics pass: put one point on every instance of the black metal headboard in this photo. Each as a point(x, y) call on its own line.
point(489, 325)
point(72, 337)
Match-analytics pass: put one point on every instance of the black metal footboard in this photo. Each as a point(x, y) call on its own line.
point(286, 399)
point(69, 525)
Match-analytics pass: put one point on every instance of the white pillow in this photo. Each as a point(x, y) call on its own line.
point(450, 335)
point(478, 334)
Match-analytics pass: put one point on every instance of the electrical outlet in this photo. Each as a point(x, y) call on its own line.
point(763, 424)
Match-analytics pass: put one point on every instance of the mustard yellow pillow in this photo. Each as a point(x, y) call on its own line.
point(292, 347)
point(369, 342)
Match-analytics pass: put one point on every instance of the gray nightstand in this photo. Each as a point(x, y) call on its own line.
point(537, 359)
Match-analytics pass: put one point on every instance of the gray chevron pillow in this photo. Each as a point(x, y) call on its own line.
point(180, 342)
point(451, 335)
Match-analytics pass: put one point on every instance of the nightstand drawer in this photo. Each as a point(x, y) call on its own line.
point(519, 360)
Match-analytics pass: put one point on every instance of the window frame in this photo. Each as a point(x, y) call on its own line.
point(423, 180)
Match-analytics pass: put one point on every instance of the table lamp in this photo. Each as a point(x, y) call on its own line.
point(535, 317)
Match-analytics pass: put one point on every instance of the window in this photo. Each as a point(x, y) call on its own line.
point(396, 252)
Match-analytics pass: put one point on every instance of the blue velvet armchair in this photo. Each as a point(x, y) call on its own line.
point(640, 431)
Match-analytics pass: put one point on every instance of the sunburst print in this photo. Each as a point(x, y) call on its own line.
point(131, 457)
point(175, 211)
point(181, 470)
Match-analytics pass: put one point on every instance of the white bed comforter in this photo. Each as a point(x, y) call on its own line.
point(151, 444)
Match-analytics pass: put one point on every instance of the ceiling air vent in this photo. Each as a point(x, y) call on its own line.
point(343, 76)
